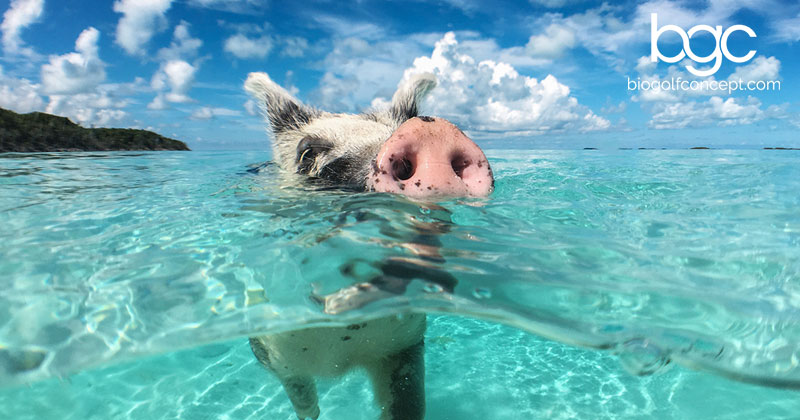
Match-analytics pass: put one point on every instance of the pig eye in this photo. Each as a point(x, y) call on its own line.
point(308, 150)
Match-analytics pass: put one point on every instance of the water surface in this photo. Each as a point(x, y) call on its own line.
point(658, 257)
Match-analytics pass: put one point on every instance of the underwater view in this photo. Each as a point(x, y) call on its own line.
point(589, 284)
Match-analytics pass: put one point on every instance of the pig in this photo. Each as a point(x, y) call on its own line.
point(394, 150)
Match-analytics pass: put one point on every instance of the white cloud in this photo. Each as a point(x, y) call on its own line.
point(357, 70)
point(207, 113)
point(552, 43)
point(103, 106)
point(141, 19)
point(96, 108)
point(610, 108)
point(489, 97)
point(488, 49)
point(644, 65)
point(481, 94)
point(761, 68)
point(235, 6)
point(76, 72)
point(553, 4)
point(182, 46)
point(251, 107)
point(174, 80)
point(294, 46)
point(19, 95)
point(158, 103)
point(787, 29)
point(19, 15)
point(243, 47)
point(466, 6)
point(731, 111)
point(618, 34)
point(682, 108)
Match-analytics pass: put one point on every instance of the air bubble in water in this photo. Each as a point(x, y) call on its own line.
point(432, 288)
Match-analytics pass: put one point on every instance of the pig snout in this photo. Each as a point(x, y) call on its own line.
point(428, 157)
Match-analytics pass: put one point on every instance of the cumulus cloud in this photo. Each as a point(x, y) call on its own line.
point(761, 68)
point(357, 69)
point(552, 43)
point(610, 108)
point(182, 45)
point(244, 47)
point(141, 19)
point(644, 65)
point(95, 108)
point(104, 106)
point(616, 33)
point(175, 76)
point(174, 80)
point(76, 72)
point(487, 49)
point(20, 95)
point(75, 88)
point(700, 106)
point(727, 112)
point(678, 109)
point(19, 15)
point(207, 113)
point(491, 98)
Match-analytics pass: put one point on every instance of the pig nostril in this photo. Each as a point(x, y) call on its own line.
point(402, 169)
point(459, 163)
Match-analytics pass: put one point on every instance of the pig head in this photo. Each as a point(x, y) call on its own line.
point(392, 150)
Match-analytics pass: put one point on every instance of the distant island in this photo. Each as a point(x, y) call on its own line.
point(40, 132)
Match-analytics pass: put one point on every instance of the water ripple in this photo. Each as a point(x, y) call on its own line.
point(660, 257)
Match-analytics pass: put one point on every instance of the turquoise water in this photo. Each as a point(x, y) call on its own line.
point(684, 264)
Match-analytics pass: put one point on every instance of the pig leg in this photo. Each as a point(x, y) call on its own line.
point(301, 389)
point(303, 394)
point(398, 381)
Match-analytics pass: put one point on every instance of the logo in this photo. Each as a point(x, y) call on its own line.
point(720, 50)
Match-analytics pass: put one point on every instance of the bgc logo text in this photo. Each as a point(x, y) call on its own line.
point(720, 50)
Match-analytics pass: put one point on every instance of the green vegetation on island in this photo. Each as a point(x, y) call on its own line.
point(40, 132)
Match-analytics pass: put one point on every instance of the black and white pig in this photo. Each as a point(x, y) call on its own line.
point(394, 151)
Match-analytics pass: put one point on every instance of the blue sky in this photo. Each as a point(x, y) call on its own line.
point(537, 73)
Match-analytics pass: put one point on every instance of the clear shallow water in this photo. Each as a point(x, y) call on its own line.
point(688, 256)
point(475, 371)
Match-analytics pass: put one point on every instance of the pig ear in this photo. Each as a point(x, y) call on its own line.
point(406, 100)
point(283, 110)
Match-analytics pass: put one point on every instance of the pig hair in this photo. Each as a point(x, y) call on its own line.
point(405, 102)
point(283, 111)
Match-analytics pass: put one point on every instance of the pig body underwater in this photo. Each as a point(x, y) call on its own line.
point(394, 151)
